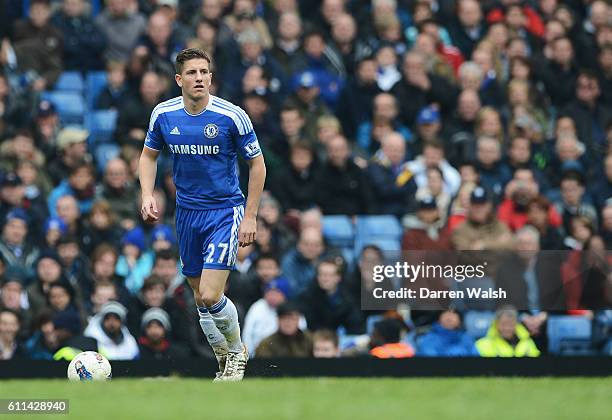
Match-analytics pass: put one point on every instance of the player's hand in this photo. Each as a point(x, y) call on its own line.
point(148, 210)
point(247, 231)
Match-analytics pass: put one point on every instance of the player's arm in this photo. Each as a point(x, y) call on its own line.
point(147, 168)
point(147, 171)
point(257, 178)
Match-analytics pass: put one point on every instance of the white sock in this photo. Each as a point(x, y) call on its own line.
point(216, 340)
point(226, 319)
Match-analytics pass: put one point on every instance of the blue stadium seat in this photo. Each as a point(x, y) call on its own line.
point(71, 81)
point(96, 7)
point(338, 231)
point(101, 126)
point(371, 321)
point(569, 335)
point(383, 231)
point(70, 105)
point(95, 81)
point(477, 323)
point(103, 153)
point(348, 253)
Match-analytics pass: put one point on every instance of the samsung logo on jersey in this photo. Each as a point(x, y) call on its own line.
point(194, 149)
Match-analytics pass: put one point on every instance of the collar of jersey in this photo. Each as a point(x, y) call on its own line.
point(210, 99)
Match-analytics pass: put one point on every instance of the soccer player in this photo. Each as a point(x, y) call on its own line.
point(205, 134)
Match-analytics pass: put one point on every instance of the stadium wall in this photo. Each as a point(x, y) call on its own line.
point(353, 367)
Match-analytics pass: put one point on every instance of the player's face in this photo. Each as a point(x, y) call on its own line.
point(195, 78)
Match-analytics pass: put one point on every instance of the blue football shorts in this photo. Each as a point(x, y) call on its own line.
point(208, 238)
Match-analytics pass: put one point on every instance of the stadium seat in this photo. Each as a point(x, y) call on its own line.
point(71, 81)
point(95, 81)
point(569, 335)
point(101, 126)
point(96, 7)
point(338, 231)
point(477, 323)
point(383, 231)
point(70, 105)
point(103, 153)
point(348, 253)
point(371, 321)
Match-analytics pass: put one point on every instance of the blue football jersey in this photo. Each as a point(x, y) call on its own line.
point(204, 150)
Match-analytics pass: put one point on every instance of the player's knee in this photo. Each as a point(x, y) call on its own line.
point(198, 299)
point(210, 297)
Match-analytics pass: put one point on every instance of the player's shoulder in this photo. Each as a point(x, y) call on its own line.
point(170, 104)
point(234, 112)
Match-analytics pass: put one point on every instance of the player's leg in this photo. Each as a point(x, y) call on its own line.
point(190, 240)
point(219, 259)
point(216, 340)
point(221, 309)
point(225, 316)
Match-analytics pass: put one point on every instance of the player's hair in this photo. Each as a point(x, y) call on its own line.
point(190, 54)
point(325, 335)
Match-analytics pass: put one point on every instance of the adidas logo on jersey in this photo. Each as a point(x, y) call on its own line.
point(176, 131)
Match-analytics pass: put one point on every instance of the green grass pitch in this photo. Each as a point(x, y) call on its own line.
point(325, 398)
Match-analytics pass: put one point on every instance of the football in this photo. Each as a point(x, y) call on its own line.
point(89, 366)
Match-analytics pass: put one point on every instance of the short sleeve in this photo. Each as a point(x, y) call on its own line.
point(154, 139)
point(246, 139)
point(248, 145)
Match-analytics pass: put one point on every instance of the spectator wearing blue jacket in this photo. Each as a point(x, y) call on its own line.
point(299, 264)
point(135, 263)
point(446, 338)
point(80, 184)
point(494, 173)
point(384, 120)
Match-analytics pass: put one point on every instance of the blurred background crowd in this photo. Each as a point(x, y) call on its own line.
point(386, 125)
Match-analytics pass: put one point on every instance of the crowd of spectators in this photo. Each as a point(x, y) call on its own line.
point(480, 125)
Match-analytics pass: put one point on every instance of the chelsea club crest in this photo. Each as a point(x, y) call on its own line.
point(211, 131)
